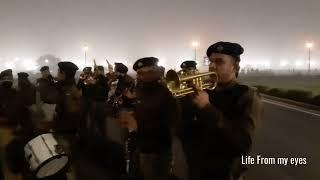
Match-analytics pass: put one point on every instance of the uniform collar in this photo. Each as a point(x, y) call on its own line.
point(225, 86)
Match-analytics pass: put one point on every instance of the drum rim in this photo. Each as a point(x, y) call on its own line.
point(50, 159)
point(39, 134)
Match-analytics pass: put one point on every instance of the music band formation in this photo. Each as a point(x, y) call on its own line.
point(212, 115)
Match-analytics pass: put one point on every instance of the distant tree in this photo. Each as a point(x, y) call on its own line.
point(48, 60)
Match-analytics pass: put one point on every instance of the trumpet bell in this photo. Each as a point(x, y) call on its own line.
point(182, 84)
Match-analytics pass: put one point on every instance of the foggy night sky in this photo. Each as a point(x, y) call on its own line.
point(269, 30)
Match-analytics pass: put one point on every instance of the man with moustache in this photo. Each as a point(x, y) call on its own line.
point(226, 116)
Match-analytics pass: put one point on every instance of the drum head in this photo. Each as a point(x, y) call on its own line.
point(52, 166)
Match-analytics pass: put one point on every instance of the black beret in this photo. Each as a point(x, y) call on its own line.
point(145, 62)
point(101, 68)
point(68, 67)
point(188, 64)
point(121, 68)
point(228, 48)
point(23, 75)
point(87, 69)
point(6, 75)
point(44, 68)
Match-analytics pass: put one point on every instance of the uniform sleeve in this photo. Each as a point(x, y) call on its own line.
point(174, 115)
point(238, 128)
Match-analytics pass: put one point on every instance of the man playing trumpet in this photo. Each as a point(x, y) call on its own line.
point(223, 124)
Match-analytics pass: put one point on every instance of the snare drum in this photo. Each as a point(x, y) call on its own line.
point(45, 156)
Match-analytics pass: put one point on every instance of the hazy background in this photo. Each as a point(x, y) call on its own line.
point(273, 32)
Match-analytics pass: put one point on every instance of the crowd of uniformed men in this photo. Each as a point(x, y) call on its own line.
point(215, 127)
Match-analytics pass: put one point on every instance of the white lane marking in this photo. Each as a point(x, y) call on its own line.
point(290, 107)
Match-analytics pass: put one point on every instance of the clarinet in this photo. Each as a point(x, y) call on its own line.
point(130, 149)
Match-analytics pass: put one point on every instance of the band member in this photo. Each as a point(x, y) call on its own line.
point(69, 101)
point(82, 83)
point(226, 118)
point(26, 90)
point(155, 111)
point(99, 99)
point(69, 109)
point(9, 119)
point(111, 75)
point(125, 83)
point(7, 99)
point(162, 71)
point(1, 173)
point(85, 85)
point(44, 85)
point(188, 67)
point(26, 96)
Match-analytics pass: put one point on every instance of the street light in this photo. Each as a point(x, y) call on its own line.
point(309, 46)
point(85, 48)
point(195, 44)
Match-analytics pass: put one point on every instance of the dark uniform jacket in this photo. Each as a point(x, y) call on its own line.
point(46, 88)
point(155, 112)
point(26, 96)
point(8, 106)
point(100, 88)
point(124, 83)
point(227, 127)
point(87, 90)
point(69, 108)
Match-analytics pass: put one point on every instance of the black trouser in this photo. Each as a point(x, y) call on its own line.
point(201, 168)
point(97, 119)
point(1, 173)
point(84, 127)
point(155, 166)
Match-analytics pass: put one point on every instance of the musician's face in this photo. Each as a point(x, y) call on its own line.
point(100, 72)
point(147, 74)
point(45, 73)
point(61, 76)
point(224, 66)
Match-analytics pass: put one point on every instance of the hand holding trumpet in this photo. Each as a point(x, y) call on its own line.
point(200, 97)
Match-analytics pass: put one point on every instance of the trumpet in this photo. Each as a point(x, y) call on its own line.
point(182, 84)
point(87, 79)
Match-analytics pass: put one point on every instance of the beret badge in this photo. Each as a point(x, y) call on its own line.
point(220, 48)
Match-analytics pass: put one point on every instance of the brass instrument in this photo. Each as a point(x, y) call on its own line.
point(94, 64)
point(110, 67)
point(181, 84)
point(87, 79)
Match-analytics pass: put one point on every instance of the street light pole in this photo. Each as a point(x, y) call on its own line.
point(309, 46)
point(195, 53)
point(85, 48)
point(195, 45)
point(309, 59)
point(85, 57)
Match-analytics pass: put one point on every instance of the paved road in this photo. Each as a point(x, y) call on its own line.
point(287, 131)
